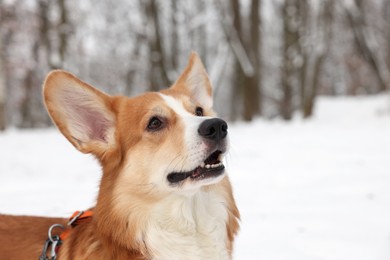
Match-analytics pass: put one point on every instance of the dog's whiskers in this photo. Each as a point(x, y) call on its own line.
point(180, 159)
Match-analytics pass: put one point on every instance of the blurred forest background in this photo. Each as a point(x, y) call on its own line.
point(268, 58)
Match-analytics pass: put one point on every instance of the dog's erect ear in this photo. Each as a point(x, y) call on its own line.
point(195, 82)
point(82, 113)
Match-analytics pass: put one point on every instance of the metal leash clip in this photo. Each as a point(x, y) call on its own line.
point(53, 242)
point(43, 255)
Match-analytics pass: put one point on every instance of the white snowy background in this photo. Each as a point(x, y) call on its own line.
point(307, 190)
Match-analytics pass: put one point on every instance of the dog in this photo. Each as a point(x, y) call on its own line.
point(164, 192)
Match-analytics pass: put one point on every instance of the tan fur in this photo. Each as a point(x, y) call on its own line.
point(127, 197)
point(22, 237)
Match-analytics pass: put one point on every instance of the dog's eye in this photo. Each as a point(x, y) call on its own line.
point(155, 124)
point(199, 111)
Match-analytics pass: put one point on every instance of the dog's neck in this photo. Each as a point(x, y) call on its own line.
point(177, 227)
point(188, 227)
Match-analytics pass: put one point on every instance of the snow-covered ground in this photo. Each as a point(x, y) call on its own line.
point(307, 190)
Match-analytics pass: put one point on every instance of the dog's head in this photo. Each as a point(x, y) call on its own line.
point(166, 141)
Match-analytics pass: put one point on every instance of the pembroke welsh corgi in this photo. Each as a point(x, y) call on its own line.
point(164, 193)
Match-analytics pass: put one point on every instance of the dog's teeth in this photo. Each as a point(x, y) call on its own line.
point(208, 166)
point(215, 165)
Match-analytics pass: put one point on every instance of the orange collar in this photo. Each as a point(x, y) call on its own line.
point(55, 241)
point(77, 218)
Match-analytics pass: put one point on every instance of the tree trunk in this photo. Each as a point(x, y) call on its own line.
point(246, 85)
point(157, 71)
point(386, 18)
point(201, 32)
point(253, 91)
point(6, 37)
point(28, 106)
point(309, 99)
point(238, 77)
point(290, 43)
point(31, 109)
point(303, 37)
point(357, 21)
point(2, 92)
point(2, 114)
point(325, 24)
point(174, 36)
point(44, 28)
point(63, 32)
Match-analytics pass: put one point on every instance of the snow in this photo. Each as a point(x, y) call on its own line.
point(307, 190)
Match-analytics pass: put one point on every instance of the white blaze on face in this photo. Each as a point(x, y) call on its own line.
point(195, 148)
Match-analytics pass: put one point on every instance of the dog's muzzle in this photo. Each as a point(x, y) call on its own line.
point(214, 131)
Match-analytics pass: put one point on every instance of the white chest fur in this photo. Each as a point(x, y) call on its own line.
point(189, 227)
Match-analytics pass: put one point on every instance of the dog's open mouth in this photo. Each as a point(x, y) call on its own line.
point(211, 167)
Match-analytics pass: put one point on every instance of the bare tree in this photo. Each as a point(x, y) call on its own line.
point(253, 94)
point(63, 30)
point(356, 16)
point(201, 34)
point(174, 35)
point(306, 42)
point(2, 76)
point(312, 68)
point(246, 46)
point(290, 12)
point(157, 72)
point(32, 107)
point(7, 31)
point(386, 18)
point(2, 92)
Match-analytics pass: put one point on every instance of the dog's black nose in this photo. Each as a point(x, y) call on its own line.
point(214, 129)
